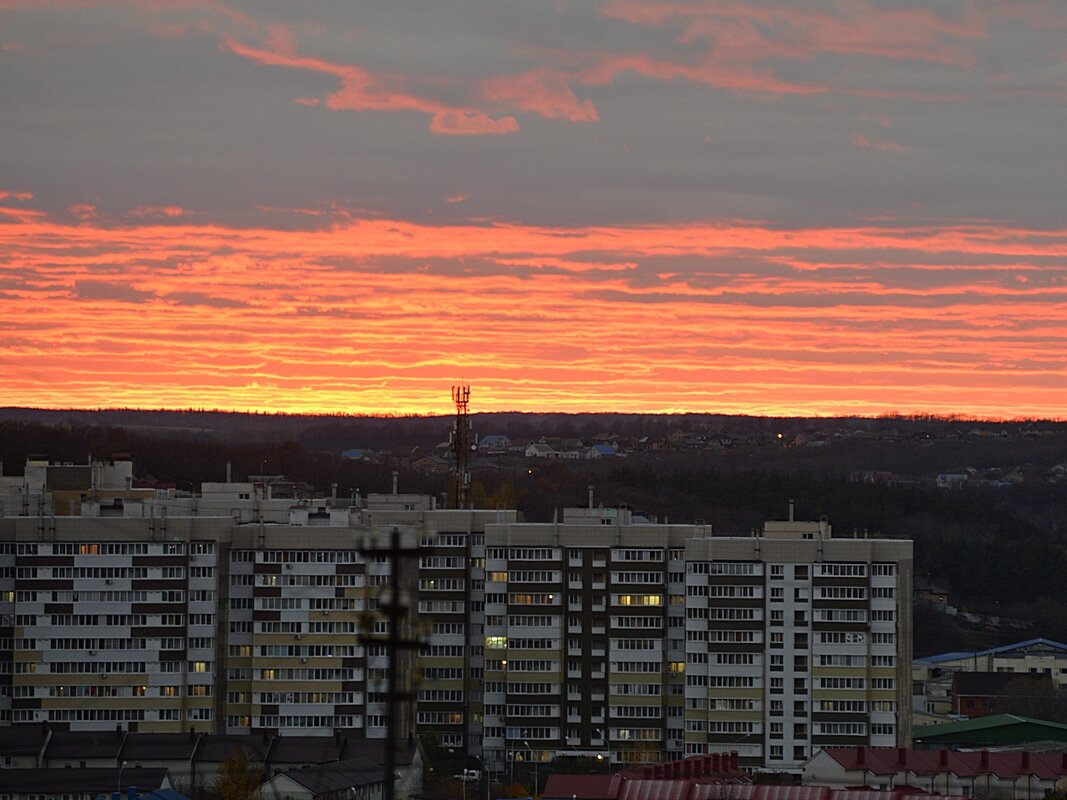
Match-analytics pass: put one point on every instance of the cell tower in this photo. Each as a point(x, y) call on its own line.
point(462, 442)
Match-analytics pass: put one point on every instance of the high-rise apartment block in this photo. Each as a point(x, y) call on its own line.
point(598, 634)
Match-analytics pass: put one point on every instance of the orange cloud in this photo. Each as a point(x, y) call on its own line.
point(362, 90)
point(542, 91)
point(141, 212)
point(372, 315)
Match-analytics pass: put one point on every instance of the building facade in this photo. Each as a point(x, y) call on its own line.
point(598, 635)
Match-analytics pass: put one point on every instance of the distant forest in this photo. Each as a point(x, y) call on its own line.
point(998, 549)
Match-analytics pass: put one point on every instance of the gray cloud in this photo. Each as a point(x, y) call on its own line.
point(126, 111)
point(101, 290)
point(201, 299)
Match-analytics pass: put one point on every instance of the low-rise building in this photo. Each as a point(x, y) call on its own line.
point(1013, 775)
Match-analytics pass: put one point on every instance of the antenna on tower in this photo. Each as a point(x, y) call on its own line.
point(462, 442)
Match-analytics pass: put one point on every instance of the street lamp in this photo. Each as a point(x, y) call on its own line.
point(536, 764)
point(603, 742)
point(118, 785)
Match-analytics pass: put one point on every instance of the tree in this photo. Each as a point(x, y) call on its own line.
point(1032, 696)
point(239, 778)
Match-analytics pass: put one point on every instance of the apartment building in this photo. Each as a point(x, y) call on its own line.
point(600, 634)
point(655, 642)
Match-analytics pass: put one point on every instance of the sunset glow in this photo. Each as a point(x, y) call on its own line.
point(669, 220)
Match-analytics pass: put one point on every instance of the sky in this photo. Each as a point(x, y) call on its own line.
point(823, 207)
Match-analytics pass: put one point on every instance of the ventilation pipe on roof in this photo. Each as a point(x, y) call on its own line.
point(591, 488)
point(396, 478)
point(229, 472)
point(792, 502)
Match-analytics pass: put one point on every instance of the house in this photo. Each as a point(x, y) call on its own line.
point(976, 694)
point(931, 592)
point(83, 749)
point(79, 783)
point(358, 775)
point(293, 752)
point(214, 749)
point(677, 780)
point(172, 751)
point(709, 777)
point(601, 451)
point(539, 450)
point(22, 746)
point(431, 464)
point(1019, 775)
point(1033, 656)
point(353, 779)
point(494, 444)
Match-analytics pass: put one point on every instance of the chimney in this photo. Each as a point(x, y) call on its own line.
point(687, 769)
point(791, 504)
point(985, 759)
point(943, 760)
point(734, 760)
point(715, 763)
point(396, 477)
point(229, 472)
point(1026, 759)
point(902, 756)
point(333, 494)
point(591, 487)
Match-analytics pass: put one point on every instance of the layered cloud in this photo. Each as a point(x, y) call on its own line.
point(375, 315)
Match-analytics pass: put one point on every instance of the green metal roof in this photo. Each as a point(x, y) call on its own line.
point(983, 724)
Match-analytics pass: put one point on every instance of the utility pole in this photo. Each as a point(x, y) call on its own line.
point(394, 609)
